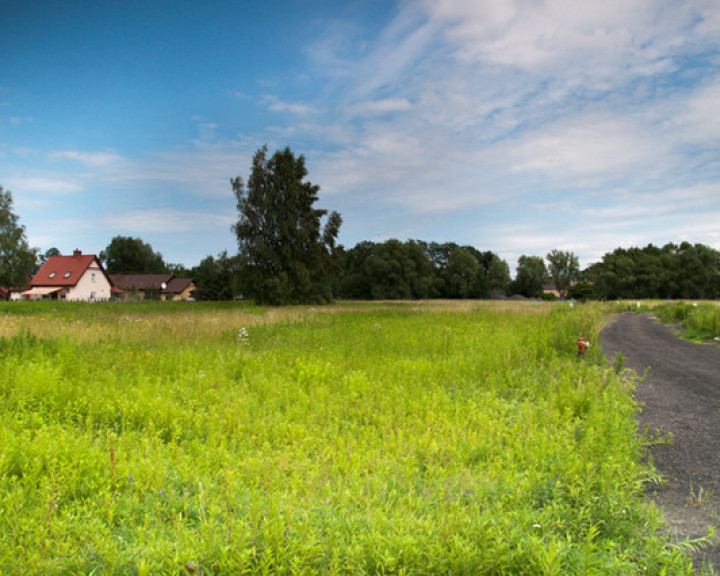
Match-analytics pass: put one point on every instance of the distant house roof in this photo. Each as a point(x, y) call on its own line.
point(171, 284)
point(61, 271)
point(178, 285)
point(141, 281)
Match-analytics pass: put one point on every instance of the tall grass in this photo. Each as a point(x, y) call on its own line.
point(385, 439)
point(699, 321)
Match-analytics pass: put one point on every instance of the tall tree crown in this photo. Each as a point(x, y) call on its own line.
point(564, 269)
point(126, 255)
point(284, 253)
point(17, 259)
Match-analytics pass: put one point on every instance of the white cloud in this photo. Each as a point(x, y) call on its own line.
point(594, 37)
point(697, 116)
point(34, 185)
point(91, 159)
point(165, 220)
point(277, 105)
point(606, 148)
point(382, 106)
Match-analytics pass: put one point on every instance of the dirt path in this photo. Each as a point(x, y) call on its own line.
point(680, 396)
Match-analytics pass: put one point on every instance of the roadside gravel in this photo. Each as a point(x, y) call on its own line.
point(679, 396)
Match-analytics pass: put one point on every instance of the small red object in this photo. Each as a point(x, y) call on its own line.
point(582, 345)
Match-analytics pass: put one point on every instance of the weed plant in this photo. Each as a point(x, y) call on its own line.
point(350, 439)
point(699, 321)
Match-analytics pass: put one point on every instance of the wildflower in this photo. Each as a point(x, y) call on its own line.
point(242, 336)
point(537, 526)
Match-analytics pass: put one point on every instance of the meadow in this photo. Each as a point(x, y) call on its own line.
point(406, 438)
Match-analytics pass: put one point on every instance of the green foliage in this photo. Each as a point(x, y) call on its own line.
point(700, 321)
point(581, 291)
point(17, 259)
point(394, 270)
point(284, 256)
point(684, 271)
point(126, 255)
point(215, 277)
point(391, 270)
point(564, 270)
point(530, 277)
point(225, 439)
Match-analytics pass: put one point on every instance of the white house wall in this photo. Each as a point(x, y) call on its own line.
point(92, 286)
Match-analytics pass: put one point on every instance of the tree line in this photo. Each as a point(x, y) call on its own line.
point(673, 271)
point(288, 254)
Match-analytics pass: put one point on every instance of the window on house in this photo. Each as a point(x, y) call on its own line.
point(67, 274)
point(52, 274)
point(92, 277)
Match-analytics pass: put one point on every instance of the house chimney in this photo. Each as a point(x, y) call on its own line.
point(77, 253)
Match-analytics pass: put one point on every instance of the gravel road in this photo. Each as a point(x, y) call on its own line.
point(680, 395)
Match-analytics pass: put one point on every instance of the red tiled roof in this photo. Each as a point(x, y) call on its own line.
point(66, 270)
point(63, 270)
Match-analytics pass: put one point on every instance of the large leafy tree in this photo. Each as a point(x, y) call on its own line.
point(698, 271)
point(494, 273)
point(398, 270)
point(530, 276)
point(215, 277)
point(458, 269)
point(684, 271)
point(126, 255)
point(285, 255)
point(17, 259)
point(564, 270)
point(416, 269)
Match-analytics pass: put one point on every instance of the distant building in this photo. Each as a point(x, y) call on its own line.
point(80, 277)
point(552, 289)
point(7, 293)
point(154, 286)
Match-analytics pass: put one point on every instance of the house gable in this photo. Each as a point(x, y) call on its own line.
point(77, 277)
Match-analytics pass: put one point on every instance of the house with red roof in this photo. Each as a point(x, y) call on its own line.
point(80, 277)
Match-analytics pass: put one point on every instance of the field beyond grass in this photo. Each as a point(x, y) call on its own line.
point(433, 438)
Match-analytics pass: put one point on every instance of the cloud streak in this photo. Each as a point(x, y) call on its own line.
point(515, 125)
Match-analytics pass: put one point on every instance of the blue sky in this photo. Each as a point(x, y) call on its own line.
point(518, 126)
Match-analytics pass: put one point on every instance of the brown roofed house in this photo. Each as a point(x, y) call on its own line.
point(155, 286)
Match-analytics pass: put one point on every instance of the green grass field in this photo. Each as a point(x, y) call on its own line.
point(406, 438)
